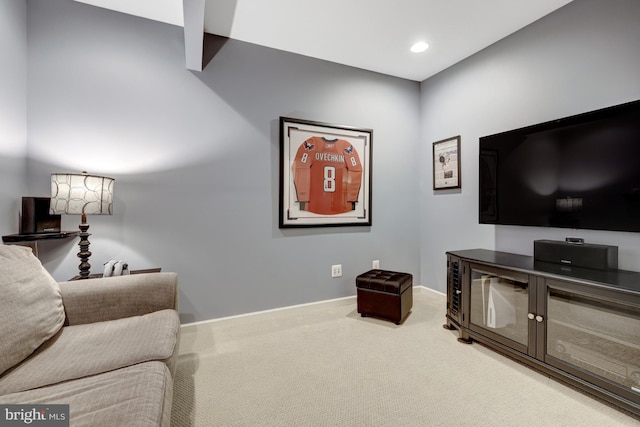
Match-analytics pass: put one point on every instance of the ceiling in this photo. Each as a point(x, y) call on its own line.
point(370, 34)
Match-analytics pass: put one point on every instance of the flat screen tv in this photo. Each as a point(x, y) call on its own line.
point(580, 172)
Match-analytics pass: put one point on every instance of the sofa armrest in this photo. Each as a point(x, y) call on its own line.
point(97, 300)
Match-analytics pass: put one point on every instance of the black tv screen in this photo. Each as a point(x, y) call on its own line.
point(579, 172)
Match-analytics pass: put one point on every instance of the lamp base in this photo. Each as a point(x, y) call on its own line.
point(84, 253)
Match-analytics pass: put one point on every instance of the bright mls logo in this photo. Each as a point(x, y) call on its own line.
point(34, 415)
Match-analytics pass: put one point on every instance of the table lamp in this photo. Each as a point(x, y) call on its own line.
point(81, 194)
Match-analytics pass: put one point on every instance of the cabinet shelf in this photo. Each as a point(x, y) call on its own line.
point(595, 333)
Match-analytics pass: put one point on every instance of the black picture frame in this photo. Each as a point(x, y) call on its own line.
point(325, 174)
point(446, 164)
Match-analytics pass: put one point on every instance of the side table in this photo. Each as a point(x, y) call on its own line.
point(99, 275)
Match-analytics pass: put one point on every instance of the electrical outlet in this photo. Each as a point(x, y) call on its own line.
point(336, 270)
point(375, 264)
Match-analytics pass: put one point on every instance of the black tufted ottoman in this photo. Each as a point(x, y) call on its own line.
point(385, 294)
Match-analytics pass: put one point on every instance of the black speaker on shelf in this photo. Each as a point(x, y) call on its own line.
point(36, 217)
point(599, 257)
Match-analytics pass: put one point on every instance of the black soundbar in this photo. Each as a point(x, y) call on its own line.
point(586, 255)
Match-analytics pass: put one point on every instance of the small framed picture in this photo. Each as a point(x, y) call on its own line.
point(446, 164)
point(325, 174)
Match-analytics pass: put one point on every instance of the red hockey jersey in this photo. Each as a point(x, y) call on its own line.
point(327, 174)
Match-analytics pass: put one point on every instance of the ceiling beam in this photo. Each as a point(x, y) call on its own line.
point(193, 33)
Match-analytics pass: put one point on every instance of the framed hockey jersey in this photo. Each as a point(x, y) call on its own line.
point(325, 174)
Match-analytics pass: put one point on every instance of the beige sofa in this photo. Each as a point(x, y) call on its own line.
point(107, 347)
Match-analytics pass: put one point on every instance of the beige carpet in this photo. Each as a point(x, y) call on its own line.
point(324, 365)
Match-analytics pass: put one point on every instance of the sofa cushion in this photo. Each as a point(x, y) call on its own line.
point(82, 350)
point(31, 310)
point(138, 395)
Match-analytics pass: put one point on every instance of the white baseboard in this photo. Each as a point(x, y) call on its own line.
point(424, 289)
point(337, 302)
point(331, 303)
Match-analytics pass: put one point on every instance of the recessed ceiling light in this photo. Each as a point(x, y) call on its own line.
point(419, 47)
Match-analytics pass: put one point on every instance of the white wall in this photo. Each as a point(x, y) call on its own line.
point(13, 111)
point(196, 158)
point(583, 57)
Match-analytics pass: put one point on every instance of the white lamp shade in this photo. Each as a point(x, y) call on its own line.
point(76, 194)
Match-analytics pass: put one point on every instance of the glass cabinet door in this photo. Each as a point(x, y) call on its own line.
point(499, 303)
point(596, 335)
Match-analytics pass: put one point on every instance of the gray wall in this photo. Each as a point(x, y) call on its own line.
point(13, 111)
point(583, 57)
point(195, 157)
